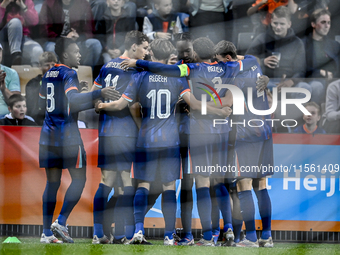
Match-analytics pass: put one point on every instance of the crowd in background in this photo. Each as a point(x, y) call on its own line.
point(309, 52)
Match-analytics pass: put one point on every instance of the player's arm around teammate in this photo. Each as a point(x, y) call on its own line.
point(117, 140)
point(60, 142)
point(226, 51)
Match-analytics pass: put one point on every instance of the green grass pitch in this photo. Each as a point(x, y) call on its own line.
point(31, 246)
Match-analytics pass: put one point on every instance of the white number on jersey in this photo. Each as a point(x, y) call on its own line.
point(111, 83)
point(158, 97)
point(49, 96)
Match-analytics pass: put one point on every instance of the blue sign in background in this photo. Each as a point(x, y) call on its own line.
point(299, 194)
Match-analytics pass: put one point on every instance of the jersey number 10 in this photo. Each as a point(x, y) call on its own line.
point(157, 97)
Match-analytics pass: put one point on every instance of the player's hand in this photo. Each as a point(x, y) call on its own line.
point(96, 106)
point(271, 62)
point(101, 106)
point(264, 2)
point(128, 63)
point(110, 93)
point(172, 59)
point(162, 35)
point(226, 111)
point(262, 82)
point(182, 107)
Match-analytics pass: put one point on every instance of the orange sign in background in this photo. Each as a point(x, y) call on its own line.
point(22, 182)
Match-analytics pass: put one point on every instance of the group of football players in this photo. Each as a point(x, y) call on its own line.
point(156, 126)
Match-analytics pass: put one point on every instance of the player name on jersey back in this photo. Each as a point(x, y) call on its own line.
point(216, 69)
point(114, 65)
point(158, 78)
point(52, 74)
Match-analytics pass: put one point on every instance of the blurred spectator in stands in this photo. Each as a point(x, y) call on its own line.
point(301, 18)
point(322, 53)
point(181, 7)
point(131, 8)
point(16, 18)
point(207, 18)
point(261, 12)
point(112, 28)
point(17, 116)
point(144, 8)
point(9, 85)
point(331, 122)
point(72, 19)
point(162, 22)
point(47, 61)
point(334, 8)
point(310, 125)
point(282, 54)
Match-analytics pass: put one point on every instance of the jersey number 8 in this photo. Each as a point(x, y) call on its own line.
point(50, 105)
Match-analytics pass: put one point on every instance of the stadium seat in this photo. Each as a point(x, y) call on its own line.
point(243, 42)
point(26, 73)
point(85, 74)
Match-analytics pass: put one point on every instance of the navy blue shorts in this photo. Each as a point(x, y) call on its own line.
point(116, 153)
point(152, 162)
point(62, 157)
point(254, 159)
point(208, 154)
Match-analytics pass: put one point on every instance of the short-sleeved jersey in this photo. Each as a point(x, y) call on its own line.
point(60, 125)
point(262, 131)
point(119, 123)
point(158, 96)
point(203, 78)
point(303, 130)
